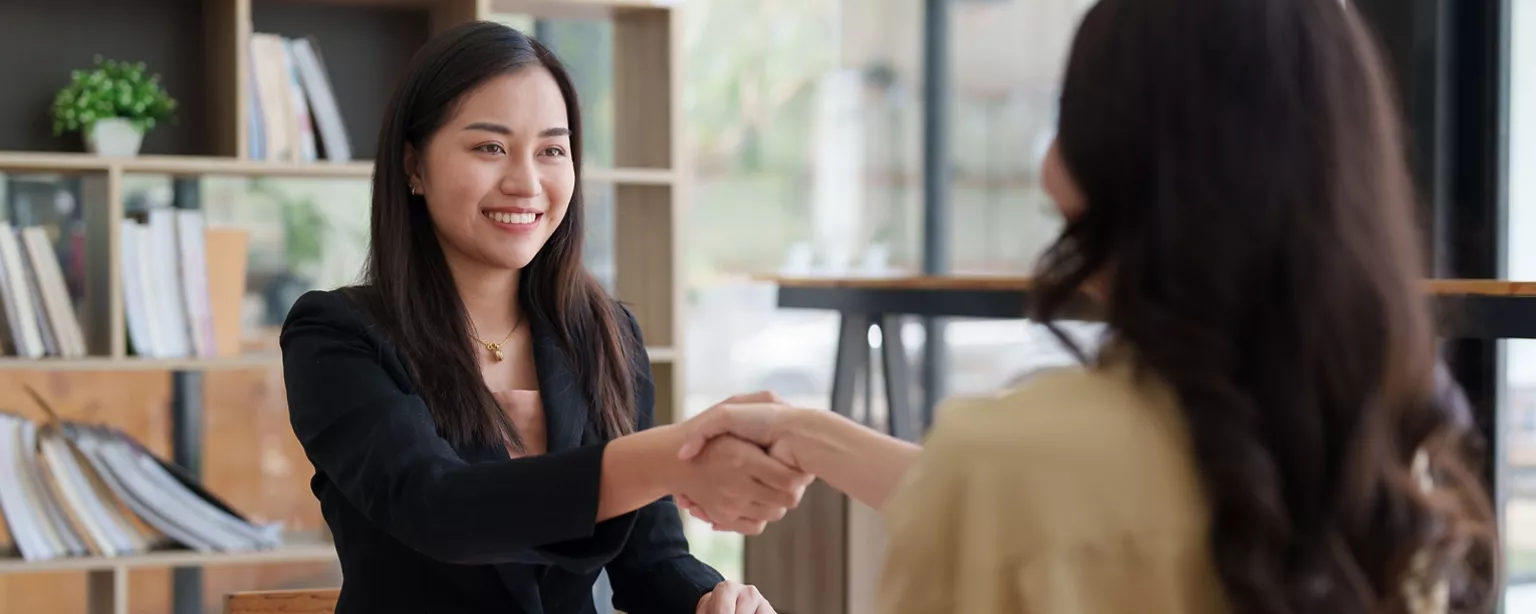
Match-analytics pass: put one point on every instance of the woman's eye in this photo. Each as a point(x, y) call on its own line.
point(491, 148)
point(554, 151)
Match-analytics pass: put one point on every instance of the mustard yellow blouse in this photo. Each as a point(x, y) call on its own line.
point(1073, 493)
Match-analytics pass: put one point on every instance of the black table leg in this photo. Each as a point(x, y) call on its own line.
point(852, 361)
point(902, 417)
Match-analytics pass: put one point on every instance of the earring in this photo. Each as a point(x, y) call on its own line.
point(414, 191)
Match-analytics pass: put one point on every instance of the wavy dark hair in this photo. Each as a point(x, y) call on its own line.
point(1251, 217)
point(409, 290)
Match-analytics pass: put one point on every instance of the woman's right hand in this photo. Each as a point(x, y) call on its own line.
point(732, 477)
point(741, 486)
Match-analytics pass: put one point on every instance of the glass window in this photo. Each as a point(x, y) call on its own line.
point(1005, 67)
point(804, 117)
point(1518, 418)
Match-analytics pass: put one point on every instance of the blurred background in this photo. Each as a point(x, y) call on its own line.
point(806, 126)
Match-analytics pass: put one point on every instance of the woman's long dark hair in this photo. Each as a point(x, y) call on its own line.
point(410, 290)
point(1252, 216)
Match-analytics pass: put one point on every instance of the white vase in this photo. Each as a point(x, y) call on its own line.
point(113, 137)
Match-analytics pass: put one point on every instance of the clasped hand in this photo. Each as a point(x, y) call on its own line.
point(743, 475)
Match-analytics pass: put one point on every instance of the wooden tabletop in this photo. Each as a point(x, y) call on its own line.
point(1441, 287)
point(912, 282)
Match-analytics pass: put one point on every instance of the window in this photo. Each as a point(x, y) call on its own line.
point(804, 117)
point(1518, 418)
point(1005, 70)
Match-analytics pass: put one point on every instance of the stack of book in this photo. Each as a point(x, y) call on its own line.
point(40, 318)
point(165, 285)
point(292, 110)
point(69, 490)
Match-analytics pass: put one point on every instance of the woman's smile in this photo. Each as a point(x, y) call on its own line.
point(514, 220)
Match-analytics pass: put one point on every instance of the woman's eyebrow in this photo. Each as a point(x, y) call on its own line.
point(505, 131)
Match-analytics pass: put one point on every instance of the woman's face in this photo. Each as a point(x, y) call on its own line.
point(498, 175)
point(1060, 185)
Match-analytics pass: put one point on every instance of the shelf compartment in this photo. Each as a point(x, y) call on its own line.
point(48, 39)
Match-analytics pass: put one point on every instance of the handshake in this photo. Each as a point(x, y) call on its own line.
point(741, 461)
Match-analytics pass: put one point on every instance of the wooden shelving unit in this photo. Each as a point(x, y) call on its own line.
point(201, 51)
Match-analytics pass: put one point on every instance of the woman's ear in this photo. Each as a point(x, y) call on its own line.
point(413, 170)
point(1061, 185)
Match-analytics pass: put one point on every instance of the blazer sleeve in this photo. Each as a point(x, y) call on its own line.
point(380, 447)
point(654, 573)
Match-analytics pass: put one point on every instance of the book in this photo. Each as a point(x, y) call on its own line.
point(70, 489)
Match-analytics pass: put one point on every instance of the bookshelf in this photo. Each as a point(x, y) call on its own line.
point(201, 50)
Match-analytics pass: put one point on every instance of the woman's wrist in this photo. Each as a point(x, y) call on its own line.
point(658, 460)
point(814, 436)
point(640, 468)
point(862, 463)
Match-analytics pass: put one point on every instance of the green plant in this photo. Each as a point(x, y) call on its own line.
point(112, 89)
point(304, 227)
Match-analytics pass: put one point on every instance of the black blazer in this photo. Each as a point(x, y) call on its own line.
point(422, 526)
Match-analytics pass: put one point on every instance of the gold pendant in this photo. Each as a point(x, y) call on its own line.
point(495, 349)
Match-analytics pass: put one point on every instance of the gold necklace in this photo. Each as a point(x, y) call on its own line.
point(495, 348)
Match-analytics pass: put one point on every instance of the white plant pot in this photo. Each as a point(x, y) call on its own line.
point(113, 137)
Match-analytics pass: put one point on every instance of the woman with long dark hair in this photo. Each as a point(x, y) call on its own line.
point(479, 412)
point(1260, 432)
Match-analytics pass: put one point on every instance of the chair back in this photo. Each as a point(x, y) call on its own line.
point(305, 601)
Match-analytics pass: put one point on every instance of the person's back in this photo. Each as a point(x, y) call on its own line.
point(1073, 492)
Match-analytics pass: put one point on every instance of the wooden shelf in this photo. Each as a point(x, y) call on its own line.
point(48, 162)
point(578, 9)
point(177, 165)
point(135, 363)
point(298, 549)
point(903, 282)
point(250, 361)
point(628, 176)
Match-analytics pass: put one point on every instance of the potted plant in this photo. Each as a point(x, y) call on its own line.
point(111, 106)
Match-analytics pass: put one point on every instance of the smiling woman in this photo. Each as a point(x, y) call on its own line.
point(479, 411)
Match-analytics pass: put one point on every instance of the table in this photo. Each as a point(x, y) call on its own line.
point(822, 558)
point(1467, 308)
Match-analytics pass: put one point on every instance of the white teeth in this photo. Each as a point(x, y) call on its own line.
point(512, 218)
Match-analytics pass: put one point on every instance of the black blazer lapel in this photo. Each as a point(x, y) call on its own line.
point(565, 422)
point(566, 411)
